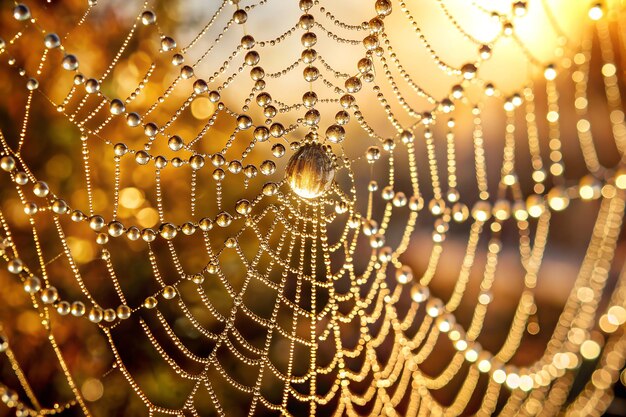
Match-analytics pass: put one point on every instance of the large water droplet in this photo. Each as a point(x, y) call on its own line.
point(310, 171)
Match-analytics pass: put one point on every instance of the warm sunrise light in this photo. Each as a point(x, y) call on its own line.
point(312, 208)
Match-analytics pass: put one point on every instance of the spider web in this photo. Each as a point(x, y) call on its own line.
point(255, 301)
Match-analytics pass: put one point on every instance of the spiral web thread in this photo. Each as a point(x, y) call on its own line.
point(321, 280)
